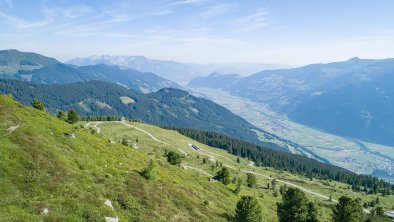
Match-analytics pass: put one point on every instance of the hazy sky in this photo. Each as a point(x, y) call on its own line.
point(289, 31)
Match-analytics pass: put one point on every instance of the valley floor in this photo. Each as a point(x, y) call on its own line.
point(357, 156)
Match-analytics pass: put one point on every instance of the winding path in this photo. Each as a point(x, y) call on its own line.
point(196, 169)
point(210, 175)
point(95, 125)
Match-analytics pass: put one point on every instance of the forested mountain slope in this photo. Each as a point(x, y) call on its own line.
point(36, 68)
point(165, 107)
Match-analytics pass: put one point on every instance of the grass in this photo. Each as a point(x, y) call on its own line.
point(41, 167)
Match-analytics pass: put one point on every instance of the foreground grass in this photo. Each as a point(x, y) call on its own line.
point(53, 171)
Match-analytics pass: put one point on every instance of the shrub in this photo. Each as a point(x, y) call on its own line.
point(173, 158)
point(149, 172)
point(224, 176)
point(38, 104)
point(248, 210)
point(251, 180)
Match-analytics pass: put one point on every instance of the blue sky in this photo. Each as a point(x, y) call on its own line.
point(205, 31)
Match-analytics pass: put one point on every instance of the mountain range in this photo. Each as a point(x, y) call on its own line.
point(35, 68)
point(351, 98)
point(176, 71)
point(306, 95)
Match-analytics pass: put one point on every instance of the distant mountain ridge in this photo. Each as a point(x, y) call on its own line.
point(214, 80)
point(32, 67)
point(352, 98)
point(175, 71)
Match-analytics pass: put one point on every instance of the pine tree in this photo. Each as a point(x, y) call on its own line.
point(72, 116)
point(347, 210)
point(295, 207)
point(248, 210)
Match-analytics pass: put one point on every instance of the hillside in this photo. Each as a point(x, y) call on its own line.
point(53, 171)
point(35, 68)
point(362, 109)
point(166, 107)
point(348, 98)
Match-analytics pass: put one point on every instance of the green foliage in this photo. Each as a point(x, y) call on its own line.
point(72, 116)
point(62, 115)
point(149, 172)
point(248, 210)
point(174, 158)
point(295, 207)
point(38, 104)
point(347, 210)
point(379, 211)
point(96, 98)
point(251, 180)
point(239, 185)
point(312, 213)
point(286, 160)
point(273, 183)
point(224, 176)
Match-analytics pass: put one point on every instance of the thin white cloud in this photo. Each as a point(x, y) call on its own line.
point(72, 12)
point(76, 11)
point(160, 13)
point(216, 10)
point(253, 22)
point(188, 2)
point(24, 24)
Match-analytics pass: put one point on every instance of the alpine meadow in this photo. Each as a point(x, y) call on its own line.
point(196, 110)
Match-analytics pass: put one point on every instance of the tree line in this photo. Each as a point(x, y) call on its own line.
point(293, 163)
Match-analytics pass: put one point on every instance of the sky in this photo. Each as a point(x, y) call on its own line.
point(292, 32)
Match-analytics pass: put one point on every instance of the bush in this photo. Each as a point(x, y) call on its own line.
point(224, 176)
point(38, 104)
point(173, 158)
point(251, 180)
point(248, 210)
point(149, 172)
point(62, 115)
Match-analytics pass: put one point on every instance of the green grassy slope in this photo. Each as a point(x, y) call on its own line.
point(42, 166)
